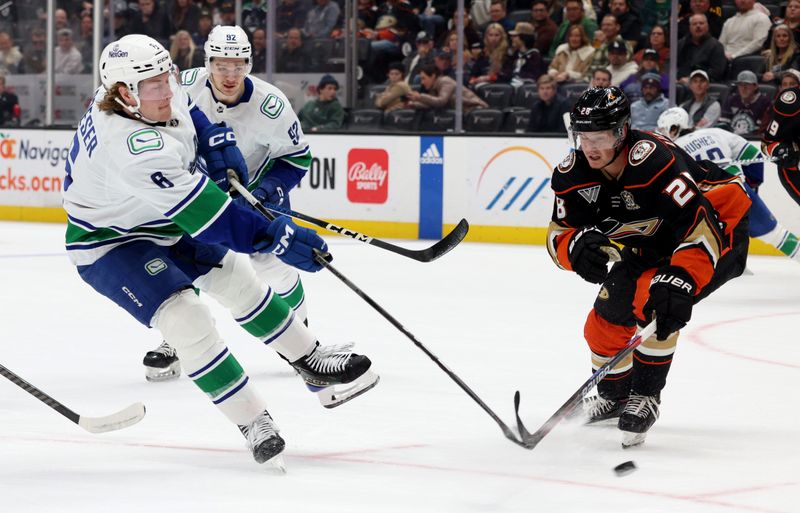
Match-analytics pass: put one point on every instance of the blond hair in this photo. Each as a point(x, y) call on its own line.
point(109, 102)
point(499, 53)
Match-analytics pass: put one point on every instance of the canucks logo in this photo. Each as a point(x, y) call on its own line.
point(272, 106)
point(146, 139)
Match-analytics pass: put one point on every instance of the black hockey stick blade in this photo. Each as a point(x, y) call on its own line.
point(441, 247)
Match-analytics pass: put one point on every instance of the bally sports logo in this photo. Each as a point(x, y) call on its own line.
point(367, 175)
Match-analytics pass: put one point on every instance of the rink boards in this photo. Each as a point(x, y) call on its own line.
point(388, 186)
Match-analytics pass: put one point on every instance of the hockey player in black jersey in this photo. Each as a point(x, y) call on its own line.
point(682, 228)
point(781, 140)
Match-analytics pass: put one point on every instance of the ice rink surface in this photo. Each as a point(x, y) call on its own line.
point(502, 317)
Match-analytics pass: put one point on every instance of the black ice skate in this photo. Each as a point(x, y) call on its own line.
point(640, 413)
point(336, 374)
point(597, 409)
point(264, 441)
point(161, 364)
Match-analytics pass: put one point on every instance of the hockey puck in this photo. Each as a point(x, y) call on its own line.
point(623, 469)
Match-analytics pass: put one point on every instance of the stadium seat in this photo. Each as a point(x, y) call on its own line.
point(574, 90)
point(438, 120)
point(769, 90)
point(483, 120)
point(525, 96)
point(366, 119)
point(519, 15)
point(728, 11)
point(517, 121)
point(401, 120)
point(755, 63)
point(682, 93)
point(719, 91)
point(498, 96)
point(321, 50)
point(370, 94)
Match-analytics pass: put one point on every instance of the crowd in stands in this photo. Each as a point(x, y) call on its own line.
point(526, 59)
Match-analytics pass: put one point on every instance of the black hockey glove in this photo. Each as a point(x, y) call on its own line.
point(671, 300)
point(587, 256)
point(786, 154)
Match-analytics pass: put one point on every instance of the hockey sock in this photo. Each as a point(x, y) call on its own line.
point(617, 383)
point(651, 363)
point(784, 240)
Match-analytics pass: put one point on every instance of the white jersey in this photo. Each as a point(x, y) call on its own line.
point(128, 180)
point(719, 146)
point(267, 130)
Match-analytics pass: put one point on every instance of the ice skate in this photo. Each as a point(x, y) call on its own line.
point(336, 374)
point(597, 409)
point(639, 414)
point(162, 364)
point(264, 441)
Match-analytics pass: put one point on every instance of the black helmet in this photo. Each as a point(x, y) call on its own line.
point(601, 109)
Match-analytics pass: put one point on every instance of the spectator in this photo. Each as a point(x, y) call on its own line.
point(658, 42)
point(424, 55)
point(525, 63)
point(744, 33)
point(443, 60)
point(545, 27)
point(324, 113)
point(630, 24)
point(35, 59)
point(292, 14)
point(792, 19)
point(151, 21)
point(259, 50)
point(10, 56)
point(573, 58)
point(227, 13)
point(632, 86)
point(254, 15)
point(441, 93)
point(789, 78)
point(698, 50)
point(204, 25)
point(184, 15)
point(120, 22)
point(294, 57)
point(575, 15)
point(744, 109)
point(67, 58)
point(433, 16)
point(547, 112)
point(86, 43)
point(646, 110)
point(321, 19)
point(61, 20)
point(619, 64)
point(713, 17)
point(603, 38)
point(781, 55)
point(703, 110)
point(185, 54)
point(367, 14)
point(498, 14)
point(394, 96)
point(600, 78)
point(10, 111)
point(656, 13)
point(495, 52)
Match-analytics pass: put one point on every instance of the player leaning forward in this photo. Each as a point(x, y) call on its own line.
point(683, 228)
point(272, 142)
point(144, 228)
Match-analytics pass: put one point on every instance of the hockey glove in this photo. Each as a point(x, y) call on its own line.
point(293, 244)
point(217, 145)
point(786, 154)
point(273, 191)
point(587, 256)
point(671, 300)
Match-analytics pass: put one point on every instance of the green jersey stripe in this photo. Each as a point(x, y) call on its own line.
point(203, 210)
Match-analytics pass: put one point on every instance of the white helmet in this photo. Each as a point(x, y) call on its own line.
point(228, 41)
point(671, 118)
point(130, 60)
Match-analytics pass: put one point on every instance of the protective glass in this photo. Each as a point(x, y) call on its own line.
point(596, 141)
point(228, 69)
point(161, 87)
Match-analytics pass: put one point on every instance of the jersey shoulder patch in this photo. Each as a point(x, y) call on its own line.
point(189, 76)
point(789, 97)
point(568, 162)
point(272, 106)
point(145, 139)
point(640, 151)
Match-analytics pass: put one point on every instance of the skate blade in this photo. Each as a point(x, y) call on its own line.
point(336, 395)
point(155, 374)
point(276, 465)
point(632, 439)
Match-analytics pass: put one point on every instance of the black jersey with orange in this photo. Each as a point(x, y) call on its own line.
point(784, 121)
point(655, 206)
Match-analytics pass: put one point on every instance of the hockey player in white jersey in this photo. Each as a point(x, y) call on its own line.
point(723, 147)
point(273, 144)
point(145, 228)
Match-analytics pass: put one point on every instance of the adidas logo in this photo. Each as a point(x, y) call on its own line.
point(431, 156)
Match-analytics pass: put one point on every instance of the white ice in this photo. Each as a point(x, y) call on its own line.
point(502, 317)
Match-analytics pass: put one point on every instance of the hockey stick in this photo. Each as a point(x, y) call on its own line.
point(122, 419)
point(441, 247)
point(529, 440)
point(321, 259)
point(764, 159)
